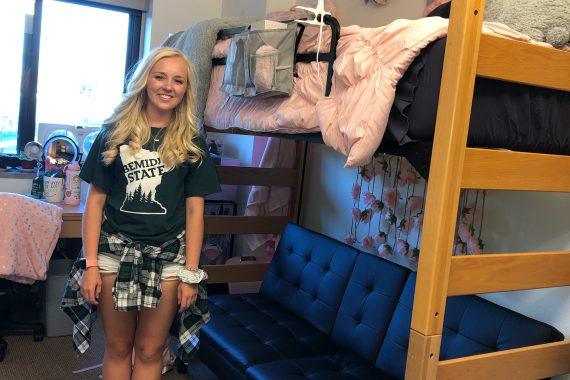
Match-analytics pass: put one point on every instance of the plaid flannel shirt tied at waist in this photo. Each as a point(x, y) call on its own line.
point(138, 278)
point(137, 285)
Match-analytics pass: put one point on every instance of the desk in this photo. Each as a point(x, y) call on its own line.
point(72, 215)
point(71, 228)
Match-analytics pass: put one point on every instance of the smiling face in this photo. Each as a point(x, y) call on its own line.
point(166, 86)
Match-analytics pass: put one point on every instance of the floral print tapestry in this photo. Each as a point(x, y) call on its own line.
point(388, 208)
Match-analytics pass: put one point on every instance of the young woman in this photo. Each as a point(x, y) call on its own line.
point(148, 172)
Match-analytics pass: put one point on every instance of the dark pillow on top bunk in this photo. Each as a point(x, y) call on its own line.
point(441, 11)
point(420, 81)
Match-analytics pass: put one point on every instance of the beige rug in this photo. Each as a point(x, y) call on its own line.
point(54, 359)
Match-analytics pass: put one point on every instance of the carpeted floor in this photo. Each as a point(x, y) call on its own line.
point(54, 359)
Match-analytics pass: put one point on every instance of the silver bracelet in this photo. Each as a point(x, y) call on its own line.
point(192, 277)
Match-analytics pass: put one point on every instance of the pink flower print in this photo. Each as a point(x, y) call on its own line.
point(402, 247)
point(414, 253)
point(464, 232)
point(349, 239)
point(355, 192)
point(366, 172)
point(458, 248)
point(369, 198)
point(366, 215)
point(407, 178)
point(415, 203)
point(473, 247)
point(391, 218)
point(379, 165)
point(469, 214)
point(391, 198)
point(384, 250)
point(405, 226)
point(418, 221)
point(377, 206)
point(368, 242)
point(356, 214)
point(380, 237)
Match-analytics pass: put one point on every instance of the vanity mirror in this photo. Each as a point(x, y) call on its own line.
point(61, 150)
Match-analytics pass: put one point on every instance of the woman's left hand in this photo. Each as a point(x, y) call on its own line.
point(187, 294)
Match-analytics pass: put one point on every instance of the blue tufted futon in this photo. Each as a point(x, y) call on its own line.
point(328, 311)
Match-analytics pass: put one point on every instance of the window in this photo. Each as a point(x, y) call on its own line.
point(70, 59)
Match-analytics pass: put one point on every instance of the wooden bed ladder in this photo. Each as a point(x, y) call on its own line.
point(453, 167)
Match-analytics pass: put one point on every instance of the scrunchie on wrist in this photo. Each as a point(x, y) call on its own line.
point(192, 277)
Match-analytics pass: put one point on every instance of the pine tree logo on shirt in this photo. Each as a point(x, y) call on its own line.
point(143, 172)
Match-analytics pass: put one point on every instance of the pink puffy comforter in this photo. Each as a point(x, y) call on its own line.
point(353, 119)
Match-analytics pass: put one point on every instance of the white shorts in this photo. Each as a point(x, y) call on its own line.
point(111, 265)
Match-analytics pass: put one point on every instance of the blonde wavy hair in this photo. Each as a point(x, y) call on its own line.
point(129, 124)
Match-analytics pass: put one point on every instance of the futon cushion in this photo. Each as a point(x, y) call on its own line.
point(250, 328)
point(309, 274)
point(371, 297)
point(332, 367)
point(473, 325)
point(394, 350)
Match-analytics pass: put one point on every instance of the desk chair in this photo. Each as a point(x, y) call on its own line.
point(30, 231)
point(22, 314)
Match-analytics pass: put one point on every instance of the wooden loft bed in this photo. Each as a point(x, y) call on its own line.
point(453, 167)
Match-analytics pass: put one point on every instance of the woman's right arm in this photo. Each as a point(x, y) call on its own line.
point(91, 230)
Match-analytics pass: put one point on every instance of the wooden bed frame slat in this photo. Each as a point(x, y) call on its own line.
point(224, 274)
point(239, 175)
point(521, 62)
point(243, 225)
point(507, 170)
point(504, 272)
point(527, 363)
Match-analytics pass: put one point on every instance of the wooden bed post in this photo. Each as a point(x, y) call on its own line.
point(453, 115)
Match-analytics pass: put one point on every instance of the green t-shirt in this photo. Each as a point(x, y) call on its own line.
point(145, 202)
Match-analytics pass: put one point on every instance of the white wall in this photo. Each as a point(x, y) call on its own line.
point(371, 15)
point(170, 16)
point(244, 8)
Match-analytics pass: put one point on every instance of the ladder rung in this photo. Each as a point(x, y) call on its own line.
point(508, 271)
point(508, 170)
point(239, 175)
point(243, 225)
point(235, 273)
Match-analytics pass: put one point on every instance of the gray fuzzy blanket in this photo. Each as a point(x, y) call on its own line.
point(197, 42)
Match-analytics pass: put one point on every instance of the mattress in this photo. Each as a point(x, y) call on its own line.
point(504, 115)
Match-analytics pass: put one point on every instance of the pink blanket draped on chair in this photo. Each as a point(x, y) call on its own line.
point(30, 230)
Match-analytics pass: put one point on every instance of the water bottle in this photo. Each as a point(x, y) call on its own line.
point(72, 184)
